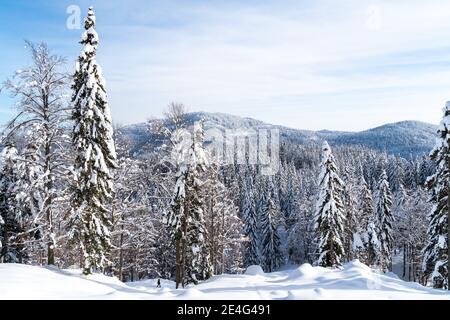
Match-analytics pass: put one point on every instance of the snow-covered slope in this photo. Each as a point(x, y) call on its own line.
point(353, 281)
point(404, 138)
point(407, 138)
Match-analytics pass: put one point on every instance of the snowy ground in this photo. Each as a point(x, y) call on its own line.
point(353, 281)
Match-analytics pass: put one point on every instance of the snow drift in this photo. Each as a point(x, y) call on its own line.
point(353, 281)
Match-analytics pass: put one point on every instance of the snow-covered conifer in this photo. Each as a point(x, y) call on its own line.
point(300, 245)
point(384, 222)
point(288, 201)
point(436, 253)
point(251, 231)
point(365, 206)
point(95, 154)
point(350, 211)
point(371, 243)
point(330, 219)
point(11, 248)
point(271, 254)
point(198, 260)
point(186, 219)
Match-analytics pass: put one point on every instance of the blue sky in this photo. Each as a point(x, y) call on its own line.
point(318, 64)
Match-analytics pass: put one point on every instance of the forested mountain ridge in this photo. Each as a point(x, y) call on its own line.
point(402, 138)
point(408, 139)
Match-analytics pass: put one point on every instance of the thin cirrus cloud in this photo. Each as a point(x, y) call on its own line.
point(346, 65)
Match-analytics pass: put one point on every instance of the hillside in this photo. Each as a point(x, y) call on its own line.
point(407, 138)
point(404, 138)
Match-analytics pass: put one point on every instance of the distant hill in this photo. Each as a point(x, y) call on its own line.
point(406, 138)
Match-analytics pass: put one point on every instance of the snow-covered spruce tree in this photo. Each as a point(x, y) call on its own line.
point(426, 169)
point(213, 208)
point(185, 220)
point(365, 214)
point(436, 262)
point(198, 260)
point(302, 243)
point(365, 206)
point(351, 237)
point(402, 211)
point(289, 193)
point(11, 247)
point(271, 254)
point(299, 232)
point(411, 175)
point(330, 219)
point(397, 174)
point(42, 118)
point(250, 218)
point(95, 155)
point(371, 243)
point(384, 222)
point(175, 218)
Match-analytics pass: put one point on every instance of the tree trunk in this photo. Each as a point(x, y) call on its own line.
point(349, 245)
point(180, 256)
point(184, 243)
point(121, 257)
point(404, 260)
point(409, 265)
point(223, 242)
point(178, 263)
point(51, 240)
point(50, 253)
point(183, 258)
point(48, 184)
point(213, 235)
point(180, 245)
point(81, 258)
point(5, 239)
point(132, 274)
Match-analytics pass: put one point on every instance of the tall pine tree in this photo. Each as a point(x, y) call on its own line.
point(95, 154)
point(199, 265)
point(371, 243)
point(384, 222)
point(271, 254)
point(365, 206)
point(437, 251)
point(250, 218)
point(330, 219)
point(186, 220)
point(350, 210)
point(10, 215)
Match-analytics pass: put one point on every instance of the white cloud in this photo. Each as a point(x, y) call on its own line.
point(311, 62)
